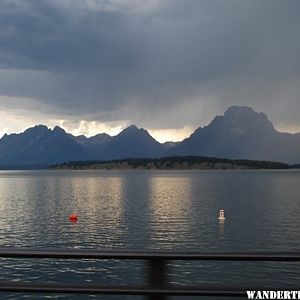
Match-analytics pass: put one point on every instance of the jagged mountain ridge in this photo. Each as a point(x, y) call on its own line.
point(39, 145)
point(132, 142)
point(241, 133)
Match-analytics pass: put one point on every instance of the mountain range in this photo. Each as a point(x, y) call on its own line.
point(241, 133)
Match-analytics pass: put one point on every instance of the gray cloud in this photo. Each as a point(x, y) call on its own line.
point(169, 64)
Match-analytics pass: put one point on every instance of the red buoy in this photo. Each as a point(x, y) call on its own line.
point(73, 217)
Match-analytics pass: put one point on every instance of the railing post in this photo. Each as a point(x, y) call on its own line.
point(157, 276)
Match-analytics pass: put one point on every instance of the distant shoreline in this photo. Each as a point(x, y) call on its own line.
point(171, 163)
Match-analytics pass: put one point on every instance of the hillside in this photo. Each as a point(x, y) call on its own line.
point(171, 163)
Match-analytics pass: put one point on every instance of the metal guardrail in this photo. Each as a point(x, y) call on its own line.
point(157, 287)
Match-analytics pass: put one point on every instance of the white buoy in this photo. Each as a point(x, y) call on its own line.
point(221, 215)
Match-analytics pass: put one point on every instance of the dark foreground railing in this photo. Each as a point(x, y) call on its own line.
point(157, 287)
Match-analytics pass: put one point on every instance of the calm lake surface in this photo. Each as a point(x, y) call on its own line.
point(139, 210)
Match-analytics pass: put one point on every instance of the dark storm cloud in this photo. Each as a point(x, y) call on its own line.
point(161, 64)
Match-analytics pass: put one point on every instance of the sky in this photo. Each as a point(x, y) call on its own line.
point(169, 66)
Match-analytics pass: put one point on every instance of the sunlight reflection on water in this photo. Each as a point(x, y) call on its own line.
point(150, 210)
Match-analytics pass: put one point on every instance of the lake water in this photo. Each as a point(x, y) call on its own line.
point(139, 210)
